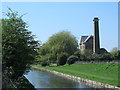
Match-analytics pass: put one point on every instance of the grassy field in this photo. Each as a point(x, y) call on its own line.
point(102, 72)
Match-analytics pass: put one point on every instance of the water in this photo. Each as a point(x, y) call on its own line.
point(44, 79)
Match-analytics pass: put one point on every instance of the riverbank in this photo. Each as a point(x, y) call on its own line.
point(24, 83)
point(106, 73)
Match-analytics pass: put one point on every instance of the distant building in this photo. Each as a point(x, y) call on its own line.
point(86, 43)
point(92, 43)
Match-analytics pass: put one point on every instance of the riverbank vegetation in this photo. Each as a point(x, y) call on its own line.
point(63, 45)
point(101, 72)
point(64, 57)
point(24, 83)
point(18, 49)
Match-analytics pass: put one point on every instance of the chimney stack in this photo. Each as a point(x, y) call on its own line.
point(96, 42)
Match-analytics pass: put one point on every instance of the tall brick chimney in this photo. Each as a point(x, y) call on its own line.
point(96, 42)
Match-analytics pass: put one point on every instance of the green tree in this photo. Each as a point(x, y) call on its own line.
point(18, 44)
point(114, 52)
point(61, 42)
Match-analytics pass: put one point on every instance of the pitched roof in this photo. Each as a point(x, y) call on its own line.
point(88, 38)
point(83, 38)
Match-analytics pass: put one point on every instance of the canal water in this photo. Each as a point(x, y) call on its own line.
point(44, 79)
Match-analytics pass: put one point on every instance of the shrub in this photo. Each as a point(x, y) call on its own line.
point(44, 64)
point(82, 57)
point(77, 53)
point(72, 59)
point(107, 56)
point(96, 57)
point(86, 55)
point(62, 58)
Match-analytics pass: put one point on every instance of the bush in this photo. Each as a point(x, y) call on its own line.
point(62, 58)
point(86, 55)
point(72, 59)
point(96, 57)
point(44, 64)
point(77, 53)
point(107, 56)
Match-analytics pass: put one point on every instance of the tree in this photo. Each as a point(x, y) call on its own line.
point(61, 42)
point(114, 52)
point(18, 44)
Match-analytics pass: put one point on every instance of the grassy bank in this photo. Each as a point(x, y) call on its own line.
point(101, 72)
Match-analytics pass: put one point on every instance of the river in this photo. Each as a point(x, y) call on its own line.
point(44, 79)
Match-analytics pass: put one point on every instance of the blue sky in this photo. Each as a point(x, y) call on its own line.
point(47, 18)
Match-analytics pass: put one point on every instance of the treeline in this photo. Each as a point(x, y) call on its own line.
point(18, 50)
point(62, 48)
point(114, 54)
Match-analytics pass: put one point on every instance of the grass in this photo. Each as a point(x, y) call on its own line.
point(101, 72)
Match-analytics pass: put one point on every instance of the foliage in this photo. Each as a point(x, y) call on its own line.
point(6, 80)
point(44, 49)
point(96, 57)
point(114, 52)
point(90, 56)
point(62, 58)
point(86, 55)
point(24, 83)
point(72, 59)
point(61, 42)
point(107, 56)
point(18, 44)
point(77, 53)
point(44, 64)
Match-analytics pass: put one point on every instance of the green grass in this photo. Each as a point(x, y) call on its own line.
point(102, 72)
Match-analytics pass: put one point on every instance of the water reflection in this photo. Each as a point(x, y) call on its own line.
point(43, 79)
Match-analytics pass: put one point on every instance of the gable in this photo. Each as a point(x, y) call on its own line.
point(83, 38)
point(88, 38)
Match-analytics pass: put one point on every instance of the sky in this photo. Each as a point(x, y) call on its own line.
point(47, 18)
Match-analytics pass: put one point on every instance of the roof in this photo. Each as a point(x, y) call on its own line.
point(85, 38)
point(88, 38)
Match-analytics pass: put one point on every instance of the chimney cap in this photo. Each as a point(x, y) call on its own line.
point(96, 19)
